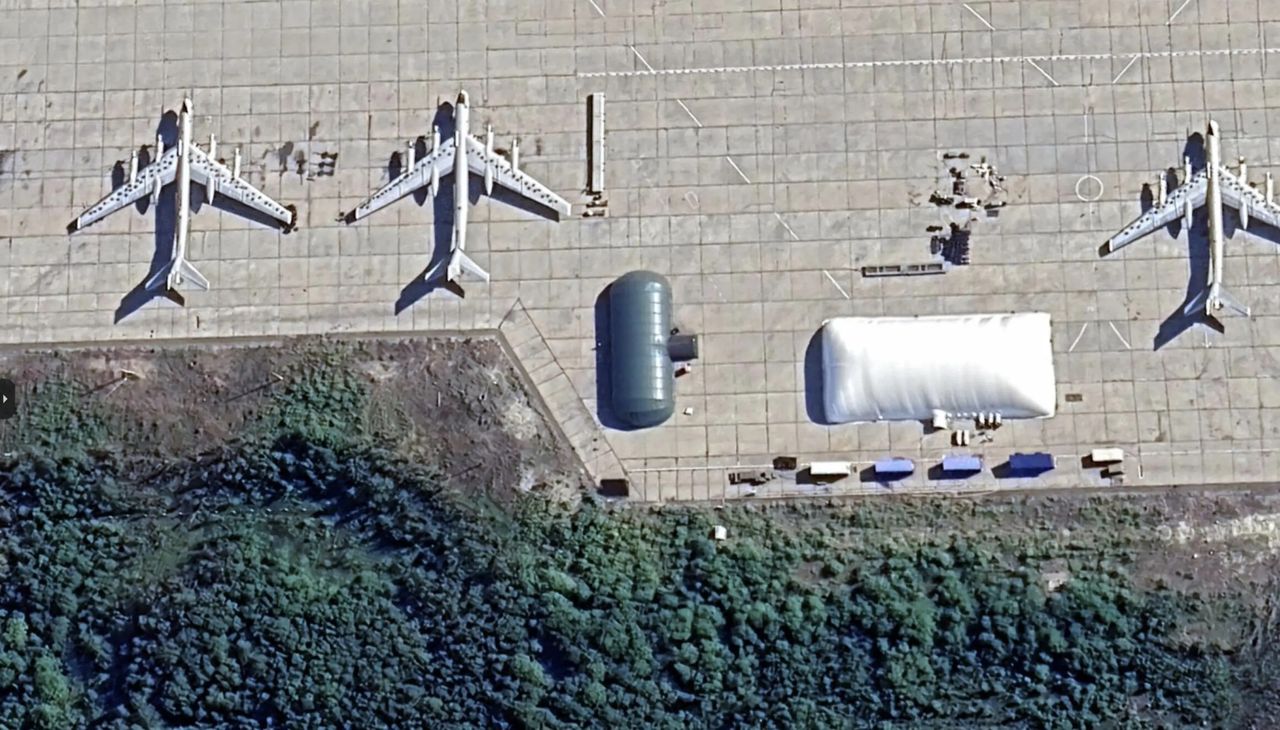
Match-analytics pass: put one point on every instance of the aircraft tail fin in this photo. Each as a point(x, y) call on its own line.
point(1197, 304)
point(175, 274)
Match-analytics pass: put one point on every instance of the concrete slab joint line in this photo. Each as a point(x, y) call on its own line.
point(552, 387)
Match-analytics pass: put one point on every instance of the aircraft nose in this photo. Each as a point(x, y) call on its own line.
point(462, 97)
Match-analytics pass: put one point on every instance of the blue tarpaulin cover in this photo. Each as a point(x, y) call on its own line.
point(961, 464)
point(895, 466)
point(1033, 463)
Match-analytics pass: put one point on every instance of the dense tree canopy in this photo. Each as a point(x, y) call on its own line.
point(300, 585)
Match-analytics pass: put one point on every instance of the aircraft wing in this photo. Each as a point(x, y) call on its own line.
point(440, 160)
point(1237, 194)
point(1193, 191)
point(149, 179)
point(517, 181)
point(217, 178)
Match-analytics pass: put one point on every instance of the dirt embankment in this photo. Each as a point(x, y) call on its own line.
point(458, 404)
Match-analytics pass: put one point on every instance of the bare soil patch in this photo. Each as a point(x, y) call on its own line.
point(456, 403)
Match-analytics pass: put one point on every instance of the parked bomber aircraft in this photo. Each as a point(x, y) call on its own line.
point(1214, 185)
point(443, 159)
point(184, 162)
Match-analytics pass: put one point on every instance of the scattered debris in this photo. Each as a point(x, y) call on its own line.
point(953, 247)
point(283, 155)
point(933, 267)
point(754, 477)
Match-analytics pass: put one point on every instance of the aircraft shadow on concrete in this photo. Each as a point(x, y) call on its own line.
point(166, 224)
point(1197, 239)
point(442, 212)
point(166, 219)
point(1198, 254)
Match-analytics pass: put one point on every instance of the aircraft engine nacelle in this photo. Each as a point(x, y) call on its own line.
point(133, 166)
point(435, 140)
point(435, 180)
point(156, 184)
point(1162, 188)
point(409, 152)
point(210, 188)
point(515, 154)
point(1187, 215)
point(1271, 190)
point(235, 165)
point(1244, 213)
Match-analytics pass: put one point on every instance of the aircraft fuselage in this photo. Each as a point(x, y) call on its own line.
point(184, 192)
point(461, 182)
point(1213, 301)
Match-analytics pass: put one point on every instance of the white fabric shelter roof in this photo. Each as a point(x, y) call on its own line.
point(911, 368)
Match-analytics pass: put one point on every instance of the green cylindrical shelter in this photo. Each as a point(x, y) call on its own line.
point(642, 378)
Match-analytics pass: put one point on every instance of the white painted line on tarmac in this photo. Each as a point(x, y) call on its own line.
point(690, 113)
point(784, 225)
point(978, 15)
point(1044, 73)
point(597, 7)
point(1123, 341)
point(646, 63)
point(1181, 7)
point(1076, 341)
point(837, 66)
point(835, 283)
point(1127, 66)
point(739, 169)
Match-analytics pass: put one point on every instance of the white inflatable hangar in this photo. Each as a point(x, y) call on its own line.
point(934, 368)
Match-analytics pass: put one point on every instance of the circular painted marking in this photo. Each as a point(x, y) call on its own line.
point(1080, 184)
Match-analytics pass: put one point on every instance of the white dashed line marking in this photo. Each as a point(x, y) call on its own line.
point(837, 66)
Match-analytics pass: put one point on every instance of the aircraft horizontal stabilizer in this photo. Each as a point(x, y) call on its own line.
point(172, 276)
point(467, 265)
point(1230, 302)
